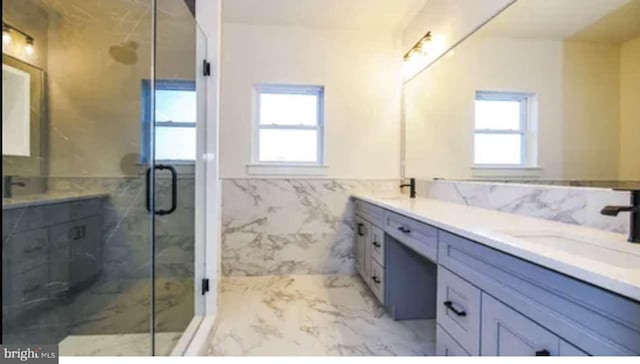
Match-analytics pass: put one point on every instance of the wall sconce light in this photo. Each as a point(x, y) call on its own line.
point(422, 47)
point(28, 48)
point(7, 37)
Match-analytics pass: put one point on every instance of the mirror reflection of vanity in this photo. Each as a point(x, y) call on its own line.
point(537, 95)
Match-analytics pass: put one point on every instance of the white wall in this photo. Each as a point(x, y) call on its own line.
point(630, 110)
point(361, 73)
point(439, 103)
point(591, 82)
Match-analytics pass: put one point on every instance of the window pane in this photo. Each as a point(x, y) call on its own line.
point(498, 149)
point(498, 115)
point(176, 106)
point(283, 109)
point(288, 145)
point(175, 143)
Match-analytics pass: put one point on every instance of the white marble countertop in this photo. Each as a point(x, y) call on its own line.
point(601, 258)
point(47, 198)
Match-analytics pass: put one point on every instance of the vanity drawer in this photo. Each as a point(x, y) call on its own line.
point(594, 320)
point(416, 235)
point(371, 212)
point(446, 345)
point(376, 282)
point(459, 309)
point(377, 244)
point(29, 288)
point(27, 250)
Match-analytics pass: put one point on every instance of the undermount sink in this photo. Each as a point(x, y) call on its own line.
point(621, 257)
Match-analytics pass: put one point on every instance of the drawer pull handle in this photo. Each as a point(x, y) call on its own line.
point(360, 226)
point(375, 279)
point(544, 352)
point(376, 244)
point(31, 289)
point(404, 229)
point(449, 305)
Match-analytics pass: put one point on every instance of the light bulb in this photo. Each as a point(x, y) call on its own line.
point(425, 46)
point(28, 49)
point(6, 36)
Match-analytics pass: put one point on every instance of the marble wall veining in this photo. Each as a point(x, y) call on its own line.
point(126, 225)
point(571, 205)
point(290, 226)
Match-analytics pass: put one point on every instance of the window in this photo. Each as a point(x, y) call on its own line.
point(502, 129)
point(175, 120)
point(288, 126)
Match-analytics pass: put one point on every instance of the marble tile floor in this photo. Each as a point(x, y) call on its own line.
point(118, 345)
point(312, 315)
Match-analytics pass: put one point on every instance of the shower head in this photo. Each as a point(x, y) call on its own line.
point(124, 53)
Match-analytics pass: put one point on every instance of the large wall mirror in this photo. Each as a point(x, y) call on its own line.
point(547, 91)
point(22, 118)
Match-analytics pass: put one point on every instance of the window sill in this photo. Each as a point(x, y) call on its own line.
point(505, 171)
point(286, 169)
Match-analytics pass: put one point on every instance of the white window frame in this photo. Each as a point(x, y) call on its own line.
point(294, 167)
point(528, 151)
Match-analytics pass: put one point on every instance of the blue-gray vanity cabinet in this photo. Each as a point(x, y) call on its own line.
point(49, 248)
point(596, 321)
point(369, 247)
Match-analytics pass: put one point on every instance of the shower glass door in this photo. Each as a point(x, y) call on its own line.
point(179, 120)
point(77, 235)
point(103, 102)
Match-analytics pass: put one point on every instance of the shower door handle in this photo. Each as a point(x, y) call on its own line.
point(174, 189)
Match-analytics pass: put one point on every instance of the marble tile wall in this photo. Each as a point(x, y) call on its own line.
point(572, 205)
point(126, 225)
point(290, 226)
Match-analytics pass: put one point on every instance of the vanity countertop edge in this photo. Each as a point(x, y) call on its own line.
point(48, 198)
point(483, 226)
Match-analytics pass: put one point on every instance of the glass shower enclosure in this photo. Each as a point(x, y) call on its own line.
point(103, 105)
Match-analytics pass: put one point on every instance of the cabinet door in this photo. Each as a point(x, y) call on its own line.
point(506, 332)
point(84, 244)
point(446, 345)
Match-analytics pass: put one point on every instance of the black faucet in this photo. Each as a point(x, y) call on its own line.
point(412, 185)
point(7, 184)
point(634, 209)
